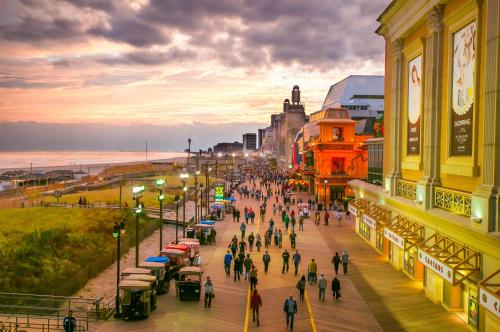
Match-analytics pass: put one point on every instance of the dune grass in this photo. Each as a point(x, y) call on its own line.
point(40, 248)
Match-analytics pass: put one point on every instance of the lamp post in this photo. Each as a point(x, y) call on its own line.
point(160, 183)
point(118, 229)
point(184, 177)
point(176, 218)
point(207, 186)
point(325, 182)
point(189, 152)
point(137, 193)
point(232, 168)
point(196, 195)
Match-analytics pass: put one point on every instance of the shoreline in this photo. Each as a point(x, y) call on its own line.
point(93, 168)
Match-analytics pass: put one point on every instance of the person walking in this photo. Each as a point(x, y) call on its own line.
point(258, 242)
point(251, 238)
point(228, 258)
point(345, 260)
point(286, 258)
point(338, 216)
point(243, 228)
point(336, 262)
point(243, 246)
point(253, 278)
point(336, 288)
point(209, 291)
point(296, 261)
point(312, 267)
point(255, 304)
point(322, 283)
point(301, 223)
point(247, 263)
point(292, 237)
point(301, 286)
point(290, 309)
point(280, 239)
point(317, 218)
point(327, 217)
point(69, 322)
point(237, 267)
point(266, 258)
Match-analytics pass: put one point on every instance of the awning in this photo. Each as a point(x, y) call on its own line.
point(451, 260)
point(404, 233)
point(358, 204)
point(376, 216)
point(489, 293)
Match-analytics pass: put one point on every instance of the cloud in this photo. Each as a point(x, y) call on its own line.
point(14, 81)
point(149, 57)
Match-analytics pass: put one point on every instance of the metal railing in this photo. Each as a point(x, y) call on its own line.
point(452, 200)
point(406, 189)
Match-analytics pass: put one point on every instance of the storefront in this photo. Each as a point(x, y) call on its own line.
point(489, 299)
point(376, 218)
point(404, 236)
point(356, 208)
point(451, 276)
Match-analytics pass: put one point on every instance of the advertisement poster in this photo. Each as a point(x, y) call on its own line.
point(219, 193)
point(414, 104)
point(464, 61)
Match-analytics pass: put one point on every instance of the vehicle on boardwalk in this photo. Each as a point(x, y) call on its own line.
point(134, 299)
point(153, 286)
point(204, 231)
point(217, 211)
point(189, 284)
point(161, 269)
point(134, 270)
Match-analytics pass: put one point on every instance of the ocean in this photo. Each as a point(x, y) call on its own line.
point(42, 159)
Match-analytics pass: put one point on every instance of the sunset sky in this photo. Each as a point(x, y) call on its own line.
point(177, 63)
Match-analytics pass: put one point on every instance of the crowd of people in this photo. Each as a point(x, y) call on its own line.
point(267, 188)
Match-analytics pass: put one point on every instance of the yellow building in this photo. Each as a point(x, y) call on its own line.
point(436, 218)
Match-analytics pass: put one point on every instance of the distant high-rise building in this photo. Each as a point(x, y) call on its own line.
point(262, 134)
point(227, 148)
point(249, 142)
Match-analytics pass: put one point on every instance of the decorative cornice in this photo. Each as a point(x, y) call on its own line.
point(435, 19)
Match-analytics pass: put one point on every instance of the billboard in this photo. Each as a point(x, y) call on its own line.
point(219, 192)
point(464, 61)
point(414, 105)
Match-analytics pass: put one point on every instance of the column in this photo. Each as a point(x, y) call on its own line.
point(395, 115)
point(433, 73)
point(486, 198)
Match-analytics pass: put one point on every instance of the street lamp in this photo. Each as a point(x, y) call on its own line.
point(136, 194)
point(196, 195)
point(118, 229)
point(325, 182)
point(184, 177)
point(207, 185)
point(160, 183)
point(176, 218)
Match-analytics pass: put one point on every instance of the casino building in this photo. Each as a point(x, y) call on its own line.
point(436, 216)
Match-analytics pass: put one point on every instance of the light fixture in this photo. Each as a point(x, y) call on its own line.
point(477, 220)
point(326, 181)
point(209, 169)
point(233, 155)
point(185, 189)
point(197, 173)
point(418, 201)
point(184, 175)
point(219, 154)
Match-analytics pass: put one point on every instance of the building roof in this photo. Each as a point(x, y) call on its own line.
point(357, 90)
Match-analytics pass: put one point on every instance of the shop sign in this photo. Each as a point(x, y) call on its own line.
point(369, 221)
point(219, 193)
point(394, 238)
point(436, 266)
point(489, 301)
point(352, 210)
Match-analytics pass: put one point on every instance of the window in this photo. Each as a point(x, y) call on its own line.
point(375, 163)
point(337, 134)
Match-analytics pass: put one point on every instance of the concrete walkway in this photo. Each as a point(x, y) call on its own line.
point(375, 297)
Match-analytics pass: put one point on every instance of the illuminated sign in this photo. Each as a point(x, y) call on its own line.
point(353, 210)
point(394, 238)
point(219, 193)
point(489, 301)
point(435, 265)
point(137, 189)
point(161, 182)
point(369, 221)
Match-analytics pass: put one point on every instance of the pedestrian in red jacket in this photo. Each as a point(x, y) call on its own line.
point(255, 304)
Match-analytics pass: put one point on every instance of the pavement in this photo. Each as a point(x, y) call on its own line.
point(375, 297)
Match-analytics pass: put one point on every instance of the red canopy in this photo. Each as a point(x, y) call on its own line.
point(177, 246)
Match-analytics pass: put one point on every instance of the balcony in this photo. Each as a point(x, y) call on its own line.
point(407, 189)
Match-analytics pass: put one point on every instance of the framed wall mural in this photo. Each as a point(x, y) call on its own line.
point(462, 115)
point(414, 105)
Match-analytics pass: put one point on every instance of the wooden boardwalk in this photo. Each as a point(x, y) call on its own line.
point(375, 297)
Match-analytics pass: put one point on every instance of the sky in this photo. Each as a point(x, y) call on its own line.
point(136, 69)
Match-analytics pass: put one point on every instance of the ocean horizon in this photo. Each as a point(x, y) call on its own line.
point(40, 159)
